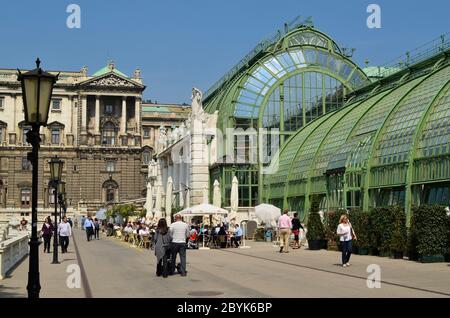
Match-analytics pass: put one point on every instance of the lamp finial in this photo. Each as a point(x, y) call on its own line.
point(38, 62)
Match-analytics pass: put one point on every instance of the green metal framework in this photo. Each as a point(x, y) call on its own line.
point(354, 142)
point(389, 148)
point(296, 79)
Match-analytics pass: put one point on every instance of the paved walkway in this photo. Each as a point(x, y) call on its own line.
point(112, 268)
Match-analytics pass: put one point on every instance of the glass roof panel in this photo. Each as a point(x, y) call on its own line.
point(396, 140)
point(435, 136)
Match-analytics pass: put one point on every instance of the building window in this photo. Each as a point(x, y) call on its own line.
point(51, 196)
point(110, 189)
point(56, 104)
point(25, 198)
point(2, 102)
point(26, 165)
point(109, 134)
point(146, 133)
point(109, 109)
point(24, 135)
point(55, 136)
point(1, 134)
point(146, 157)
point(110, 166)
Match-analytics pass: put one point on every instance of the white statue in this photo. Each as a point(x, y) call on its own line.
point(196, 106)
point(153, 169)
point(162, 140)
point(182, 130)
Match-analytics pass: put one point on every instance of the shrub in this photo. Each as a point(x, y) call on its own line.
point(448, 238)
point(383, 222)
point(398, 238)
point(361, 225)
point(315, 227)
point(331, 224)
point(429, 231)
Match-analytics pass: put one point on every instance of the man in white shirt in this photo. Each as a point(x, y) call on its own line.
point(65, 231)
point(179, 231)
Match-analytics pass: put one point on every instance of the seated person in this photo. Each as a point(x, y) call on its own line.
point(192, 238)
point(236, 239)
point(223, 233)
point(144, 231)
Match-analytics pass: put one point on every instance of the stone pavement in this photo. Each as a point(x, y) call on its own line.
point(115, 269)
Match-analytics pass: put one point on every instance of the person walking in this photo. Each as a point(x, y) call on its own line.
point(346, 233)
point(97, 229)
point(179, 231)
point(47, 232)
point(296, 226)
point(65, 231)
point(284, 228)
point(161, 243)
point(89, 227)
point(83, 219)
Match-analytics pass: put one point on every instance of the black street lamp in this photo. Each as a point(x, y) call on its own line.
point(37, 88)
point(61, 198)
point(55, 171)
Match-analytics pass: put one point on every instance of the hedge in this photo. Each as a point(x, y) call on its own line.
point(388, 229)
point(316, 230)
point(429, 232)
point(360, 221)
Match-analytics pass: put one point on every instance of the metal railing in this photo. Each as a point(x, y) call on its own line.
point(415, 56)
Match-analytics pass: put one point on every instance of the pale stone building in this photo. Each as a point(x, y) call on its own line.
point(95, 127)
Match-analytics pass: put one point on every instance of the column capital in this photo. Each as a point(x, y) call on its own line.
point(124, 98)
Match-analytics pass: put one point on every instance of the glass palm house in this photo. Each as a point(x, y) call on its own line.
point(354, 137)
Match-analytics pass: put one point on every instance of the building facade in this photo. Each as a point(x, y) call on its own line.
point(357, 138)
point(97, 125)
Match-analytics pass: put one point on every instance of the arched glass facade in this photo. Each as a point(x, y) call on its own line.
point(390, 147)
point(295, 81)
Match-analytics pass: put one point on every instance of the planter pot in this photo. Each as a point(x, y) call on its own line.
point(386, 254)
point(363, 251)
point(355, 250)
point(315, 245)
point(324, 244)
point(447, 257)
point(398, 255)
point(431, 258)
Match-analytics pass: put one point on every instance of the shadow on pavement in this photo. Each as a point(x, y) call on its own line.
point(10, 292)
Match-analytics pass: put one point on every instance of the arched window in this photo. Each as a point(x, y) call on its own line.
point(109, 134)
point(110, 190)
point(147, 155)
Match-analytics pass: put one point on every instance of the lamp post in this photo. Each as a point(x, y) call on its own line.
point(61, 197)
point(37, 88)
point(55, 171)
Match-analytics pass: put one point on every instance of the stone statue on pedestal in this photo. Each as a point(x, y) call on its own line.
point(197, 106)
point(162, 140)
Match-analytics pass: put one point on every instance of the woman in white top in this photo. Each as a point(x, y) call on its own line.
point(346, 233)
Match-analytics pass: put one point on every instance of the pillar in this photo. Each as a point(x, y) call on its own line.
point(97, 115)
point(123, 118)
point(137, 112)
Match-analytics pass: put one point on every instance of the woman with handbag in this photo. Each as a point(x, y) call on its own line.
point(47, 232)
point(347, 234)
point(161, 242)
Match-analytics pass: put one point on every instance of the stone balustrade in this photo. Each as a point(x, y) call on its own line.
point(12, 251)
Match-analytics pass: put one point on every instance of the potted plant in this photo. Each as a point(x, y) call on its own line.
point(331, 223)
point(398, 238)
point(316, 232)
point(361, 225)
point(447, 254)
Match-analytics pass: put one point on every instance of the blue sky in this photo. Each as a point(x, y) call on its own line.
point(179, 44)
